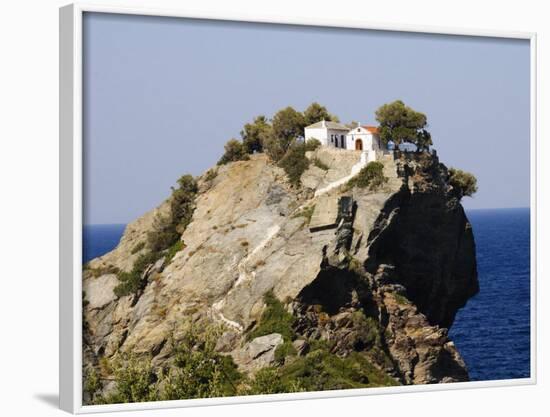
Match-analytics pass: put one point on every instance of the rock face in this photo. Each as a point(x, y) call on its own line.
point(386, 281)
point(258, 353)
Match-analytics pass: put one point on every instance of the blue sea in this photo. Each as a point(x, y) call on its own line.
point(98, 239)
point(492, 332)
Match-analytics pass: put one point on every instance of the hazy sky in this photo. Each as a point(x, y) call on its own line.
point(162, 96)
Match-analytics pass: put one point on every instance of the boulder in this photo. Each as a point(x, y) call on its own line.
point(99, 291)
point(259, 352)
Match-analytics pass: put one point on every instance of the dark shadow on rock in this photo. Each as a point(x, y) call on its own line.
point(49, 399)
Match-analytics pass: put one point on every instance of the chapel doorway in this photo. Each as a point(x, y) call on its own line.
point(358, 145)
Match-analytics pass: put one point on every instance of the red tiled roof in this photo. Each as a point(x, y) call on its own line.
point(371, 129)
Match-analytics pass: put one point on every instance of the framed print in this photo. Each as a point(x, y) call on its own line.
point(257, 209)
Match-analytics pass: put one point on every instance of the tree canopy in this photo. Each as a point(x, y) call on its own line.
point(316, 112)
point(401, 124)
point(234, 151)
point(275, 137)
point(254, 134)
point(288, 124)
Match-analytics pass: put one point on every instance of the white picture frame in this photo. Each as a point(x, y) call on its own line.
point(70, 308)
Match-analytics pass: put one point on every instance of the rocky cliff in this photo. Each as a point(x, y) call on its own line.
point(382, 277)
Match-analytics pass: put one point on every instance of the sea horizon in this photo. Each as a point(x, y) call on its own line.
point(465, 209)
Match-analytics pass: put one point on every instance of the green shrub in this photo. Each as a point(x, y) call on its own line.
point(274, 319)
point(312, 144)
point(295, 163)
point(210, 174)
point(163, 235)
point(131, 282)
point(463, 182)
point(321, 370)
point(135, 381)
point(371, 176)
point(175, 248)
point(182, 203)
point(198, 371)
point(234, 151)
point(268, 381)
point(92, 384)
point(168, 229)
point(367, 329)
point(139, 246)
point(283, 351)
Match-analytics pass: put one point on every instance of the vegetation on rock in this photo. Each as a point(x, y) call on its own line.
point(275, 319)
point(139, 246)
point(295, 163)
point(322, 370)
point(175, 248)
point(254, 134)
point(281, 139)
point(168, 229)
point(283, 351)
point(234, 151)
point(319, 370)
point(268, 381)
point(210, 174)
point(463, 182)
point(135, 381)
point(165, 235)
point(371, 176)
point(182, 203)
point(131, 282)
point(312, 144)
point(198, 371)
